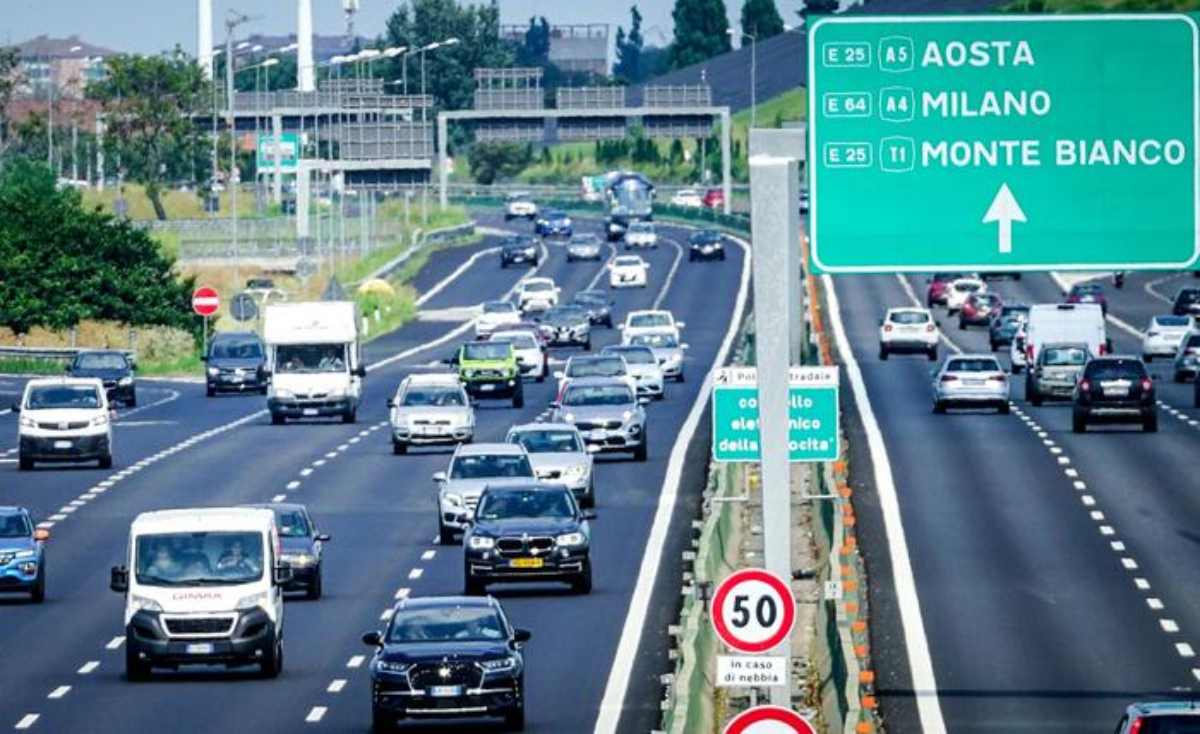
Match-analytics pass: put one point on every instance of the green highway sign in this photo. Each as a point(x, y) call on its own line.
point(996, 143)
point(289, 153)
point(812, 414)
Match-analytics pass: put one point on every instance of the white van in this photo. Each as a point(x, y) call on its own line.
point(314, 356)
point(203, 587)
point(1065, 322)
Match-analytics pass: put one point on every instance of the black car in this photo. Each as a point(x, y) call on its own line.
point(302, 546)
point(598, 305)
point(1115, 389)
point(1187, 302)
point(707, 244)
point(235, 362)
point(553, 223)
point(113, 368)
point(571, 325)
point(1005, 325)
point(521, 249)
point(445, 658)
point(527, 533)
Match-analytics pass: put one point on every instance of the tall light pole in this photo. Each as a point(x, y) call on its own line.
point(232, 21)
point(753, 73)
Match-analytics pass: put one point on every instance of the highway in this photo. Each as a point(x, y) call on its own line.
point(1053, 570)
point(64, 669)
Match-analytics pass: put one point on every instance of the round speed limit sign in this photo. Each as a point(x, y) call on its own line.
point(753, 610)
point(769, 720)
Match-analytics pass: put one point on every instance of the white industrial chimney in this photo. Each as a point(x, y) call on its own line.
point(204, 55)
point(304, 52)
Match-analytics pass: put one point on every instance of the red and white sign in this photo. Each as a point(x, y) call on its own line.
point(205, 301)
point(753, 610)
point(769, 720)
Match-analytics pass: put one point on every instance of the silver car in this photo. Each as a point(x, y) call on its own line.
point(472, 468)
point(608, 414)
point(1187, 360)
point(583, 247)
point(643, 368)
point(430, 409)
point(1054, 374)
point(559, 456)
point(667, 350)
point(970, 381)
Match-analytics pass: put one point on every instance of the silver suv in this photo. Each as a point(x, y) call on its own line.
point(430, 409)
point(1164, 717)
point(472, 468)
point(607, 412)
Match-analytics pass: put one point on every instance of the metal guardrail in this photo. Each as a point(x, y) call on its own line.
point(47, 353)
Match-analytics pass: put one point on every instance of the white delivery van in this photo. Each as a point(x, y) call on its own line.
point(1079, 323)
point(314, 356)
point(203, 587)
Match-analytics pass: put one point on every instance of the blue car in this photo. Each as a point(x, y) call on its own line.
point(553, 223)
point(22, 553)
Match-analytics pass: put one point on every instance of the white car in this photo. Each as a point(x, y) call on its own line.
point(627, 271)
point(643, 367)
point(687, 198)
point(908, 330)
point(537, 294)
point(647, 321)
point(531, 358)
point(559, 456)
point(1164, 335)
point(518, 205)
point(641, 234)
point(64, 419)
point(970, 381)
point(496, 314)
point(960, 290)
point(430, 409)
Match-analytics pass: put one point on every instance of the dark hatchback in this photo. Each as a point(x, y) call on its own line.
point(1089, 293)
point(598, 305)
point(113, 368)
point(1005, 325)
point(707, 244)
point(302, 546)
point(519, 249)
point(553, 223)
point(235, 362)
point(447, 658)
point(1187, 302)
point(528, 533)
point(1115, 389)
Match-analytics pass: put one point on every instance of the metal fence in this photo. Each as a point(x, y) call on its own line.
point(681, 95)
point(589, 98)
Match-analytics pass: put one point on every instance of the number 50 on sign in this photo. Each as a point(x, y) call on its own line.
point(753, 610)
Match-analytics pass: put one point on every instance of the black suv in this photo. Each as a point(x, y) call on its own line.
point(528, 533)
point(706, 244)
point(1115, 389)
point(447, 657)
point(598, 305)
point(235, 362)
point(519, 248)
point(111, 367)
point(1187, 302)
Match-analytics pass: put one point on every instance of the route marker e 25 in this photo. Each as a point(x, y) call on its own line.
point(1003, 143)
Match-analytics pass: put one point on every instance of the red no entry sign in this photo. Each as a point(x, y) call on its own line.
point(753, 610)
point(769, 720)
point(205, 301)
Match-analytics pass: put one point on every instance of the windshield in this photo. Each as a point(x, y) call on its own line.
point(628, 262)
point(636, 355)
point(299, 358)
point(590, 299)
point(909, 317)
point(596, 367)
point(973, 365)
point(1064, 356)
point(292, 524)
point(1173, 322)
point(14, 525)
point(556, 215)
point(565, 316)
point(491, 466)
point(443, 624)
point(641, 227)
point(660, 341)
point(1169, 725)
point(649, 320)
point(486, 350)
point(1116, 369)
point(198, 559)
point(539, 285)
point(101, 361)
point(631, 197)
point(598, 395)
point(499, 307)
point(519, 339)
point(236, 349)
point(63, 396)
point(967, 286)
point(1189, 296)
point(439, 397)
point(538, 503)
point(549, 442)
point(986, 300)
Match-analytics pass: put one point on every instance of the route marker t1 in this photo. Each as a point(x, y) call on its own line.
point(1006, 142)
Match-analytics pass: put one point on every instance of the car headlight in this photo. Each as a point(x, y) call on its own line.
point(100, 420)
point(501, 665)
point(298, 559)
point(285, 394)
point(27, 422)
point(569, 540)
point(529, 251)
point(627, 415)
point(144, 604)
point(386, 667)
point(452, 499)
point(252, 600)
point(481, 542)
point(24, 554)
point(125, 381)
point(337, 392)
point(213, 371)
point(579, 471)
point(569, 417)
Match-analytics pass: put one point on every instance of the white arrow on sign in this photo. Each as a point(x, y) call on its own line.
point(1005, 210)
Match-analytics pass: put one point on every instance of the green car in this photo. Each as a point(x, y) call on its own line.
point(489, 370)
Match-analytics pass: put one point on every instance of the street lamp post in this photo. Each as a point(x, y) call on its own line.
point(753, 74)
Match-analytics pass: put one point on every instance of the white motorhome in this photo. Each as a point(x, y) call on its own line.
point(203, 587)
point(314, 356)
point(1078, 323)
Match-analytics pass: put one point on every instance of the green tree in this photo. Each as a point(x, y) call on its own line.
point(492, 161)
point(148, 101)
point(760, 18)
point(61, 263)
point(535, 51)
point(701, 31)
point(628, 67)
point(8, 83)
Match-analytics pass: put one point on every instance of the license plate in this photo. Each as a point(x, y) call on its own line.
point(596, 435)
point(528, 562)
point(973, 383)
point(310, 411)
point(487, 387)
point(445, 691)
point(237, 378)
point(1116, 392)
point(200, 648)
point(62, 444)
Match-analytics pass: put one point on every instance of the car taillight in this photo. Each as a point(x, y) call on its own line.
point(1103, 349)
point(949, 378)
point(996, 378)
point(1136, 726)
point(1085, 385)
point(929, 328)
point(1029, 352)
point(1151, 334)
point(1146, 384)
point(887, 327)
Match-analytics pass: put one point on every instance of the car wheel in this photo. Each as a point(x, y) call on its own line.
point(350, 416)
point(503, 264)
point(210, 392)
point(883, 353)
point(721, 257)
point(1032, 394)
point(1147, 358)
point(1179, 377)
point(106, 461)
point(399, 448)
point(382, 721)
point(962, 324)
point(272, 663)
point(278, 419)
point(1196, 396)
point(1016, 369)
point(1003, 408)
point(473, 587)
point(445, 534)
point(1150, 423)
point(939, 407)
point(993, 345)
point(1078, 423)
point(135, 669)
point(38, 593)
point(518, 400)
point(582, 584)
point(589, 499)
point(132, 401)
point(514, 720)
point(315, 588)
point(642, 451)
point(587, 345)
point(24, 463)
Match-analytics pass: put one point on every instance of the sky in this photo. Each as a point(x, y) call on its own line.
point(150, 26)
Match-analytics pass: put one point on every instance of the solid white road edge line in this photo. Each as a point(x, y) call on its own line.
point(929, 709)
point(612, 704)
point(441, 285)
point(666, 287)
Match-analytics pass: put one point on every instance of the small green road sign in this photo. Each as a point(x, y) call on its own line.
point(289, 153)
point(812, 414)
point(996, 143)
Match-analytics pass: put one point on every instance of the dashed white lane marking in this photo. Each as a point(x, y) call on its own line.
point(415, 573)
point(316, 714)
point(58, 517)
point(355, 661)
point(343, 447)
point(428, 555)
point(1154, 603)
point(305, 472)
point(1169, 626)
point(1072, 473)
point(331, 455)
point(279, 498)
point(402, 592)
point(318, 462)
point(1064, 460)
point(115, 643)
point(1196, 673)
point(336, 685)
point(1185, 650)
point(1080, 486)
point(59, 692)
point(67, 510)
point(355, 439)
point(293, 484)
point(1056, 450)
point(1088, 500)
point(1129, 563)
point(1142, 584)
point(1107, 530)
point(27, 721)
point(45, 524)
point(88, 667)
point(1117, 546)
point(1098, 516)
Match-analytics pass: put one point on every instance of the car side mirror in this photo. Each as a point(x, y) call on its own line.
point(282, 574)
point(685, 346)
point(41, 535)
point(112, 414)
point(439, 477)
point(643, 401)
point(680, 324)
point(881, 322)
point(67, 368)
point(16, 407)
point(360, 371)
point(391, 403)
point(323, 537)
point(373, 639)
point(203, 357)
point(119, 579)
point(521, 636)
point(588, 515)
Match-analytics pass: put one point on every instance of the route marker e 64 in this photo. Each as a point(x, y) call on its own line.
point(812, 414)
point(1003, 142)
